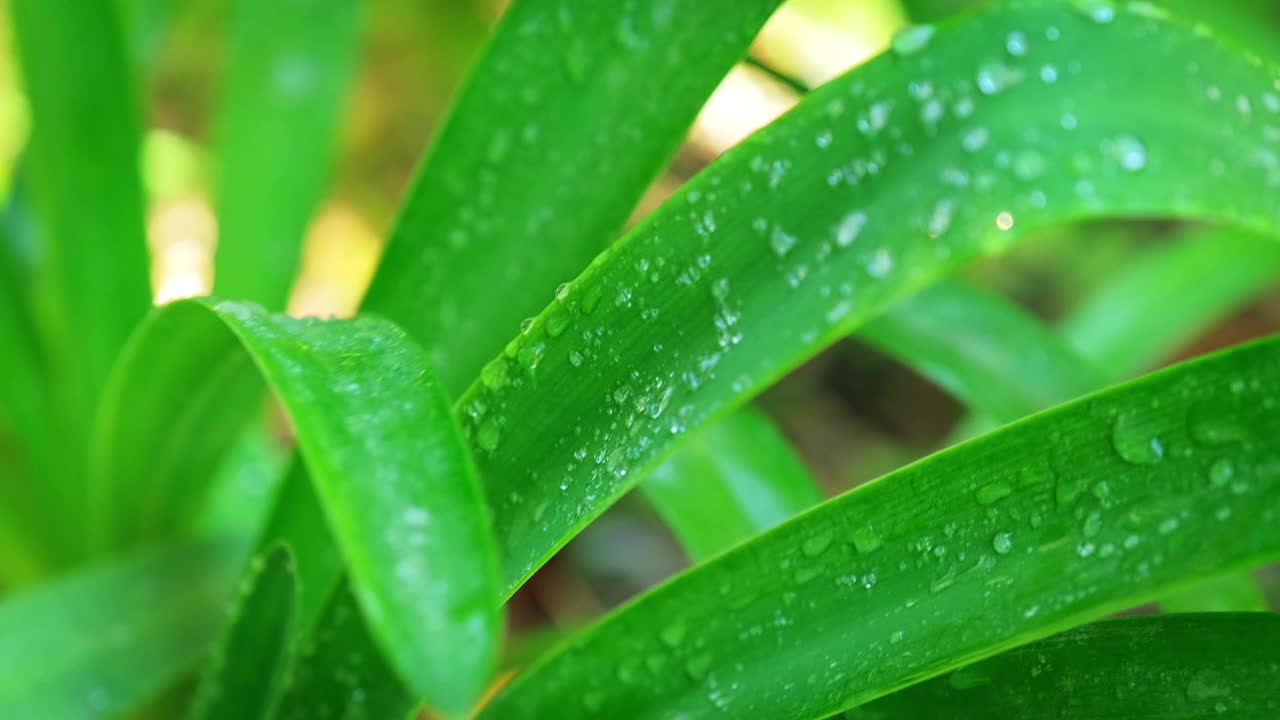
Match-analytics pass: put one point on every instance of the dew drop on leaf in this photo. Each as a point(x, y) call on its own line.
point(913, 39)
point(1134, 441)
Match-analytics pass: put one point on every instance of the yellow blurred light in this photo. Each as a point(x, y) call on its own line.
point(181, 233)
point(338, 260)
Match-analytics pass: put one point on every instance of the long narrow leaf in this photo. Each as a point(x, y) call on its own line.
point(984, 350)
point(386, 460)
point(1179, 667)
point(92, 268)
point(97, 643)
point(289, 66)
point(824, 219)
point(553, 139)
point(1164, 297)
point(1075, 512)
point(735, 479)
point(246, 677)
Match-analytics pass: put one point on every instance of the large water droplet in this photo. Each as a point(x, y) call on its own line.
point(1002, 543)
point(1135, 441)
point(993, 492)
point(815, 545)
point(865, 540)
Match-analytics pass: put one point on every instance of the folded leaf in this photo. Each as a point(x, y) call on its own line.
point(385, 457)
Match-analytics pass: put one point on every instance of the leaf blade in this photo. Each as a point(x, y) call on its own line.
point(1043, 524)
point(464, 226)
point(713, 348)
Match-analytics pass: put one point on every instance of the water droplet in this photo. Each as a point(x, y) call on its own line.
point(850, 227)
point(881, 264)
point(1049, 74)
point(996, 77)
point(1016, 43)
point(1099, 11)
point(865, 540)
point(1004, 220)
point(940, 219)
point(912, 39)
point(781, 242)
point(673, 634)
point(815, 545)
point(993, 492)
point(976, 139)
point(896, 637)
point(942, 583)
point(1134, 440)
point(488, 435)
point(1128, 152)
point(1002, 543)
point(1168, 525)
point(698, 665)
point(1221, 472)
point(1030, 164)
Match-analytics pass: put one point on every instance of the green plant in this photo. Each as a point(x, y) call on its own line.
point(372, 578)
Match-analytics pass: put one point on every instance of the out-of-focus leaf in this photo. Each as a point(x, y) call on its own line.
point(1229, 593)
point(91, 272)
point(571, 112)
point(984, 350)
point(1168, 295)
point(97, 643)
point(341, 673)
point(1065, 516)
point(245, 678)
point(733, 480)
point(288, 70)
point(1179, 667)
point(875, 185)
point(385, 457)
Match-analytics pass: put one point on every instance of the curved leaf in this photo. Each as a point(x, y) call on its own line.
point(1070, 514)
point(873, 186)
point(551, 142)
point(245, 679)
point(91, 276)
point(983, 350)
point(386, 460)
point(96, 643)
point(289, 67)
point(1160, 300)
point(733, 480)
point(1176, 667)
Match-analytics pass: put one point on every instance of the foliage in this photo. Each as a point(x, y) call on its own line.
point(442, 457)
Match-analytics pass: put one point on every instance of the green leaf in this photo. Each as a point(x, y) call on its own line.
point(790, 241)
point(341, 674)
point(1168, 295)
point(1172, 667)
point(982, 349)
point(289, 67)
point(386, 460)
point(1229, 593)
point(556, 134)
point(91, 277)
point(97, 643)
point(245, 679)
point(731, 481)
point(1065, 516)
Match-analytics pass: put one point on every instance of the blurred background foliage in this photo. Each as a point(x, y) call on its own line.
point(852, 413)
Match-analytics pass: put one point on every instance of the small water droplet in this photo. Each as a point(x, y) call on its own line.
point(993, 492)
point(1099, 11)
point(1221, 472)
point(1002, 543)
point(865, 540)
point(1128, 152)
point(850, 227)
point(1004, 220)
point(815, 545)
point(781, 242)
point(912, 39)
point(673, 634)
point(1016, 43)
